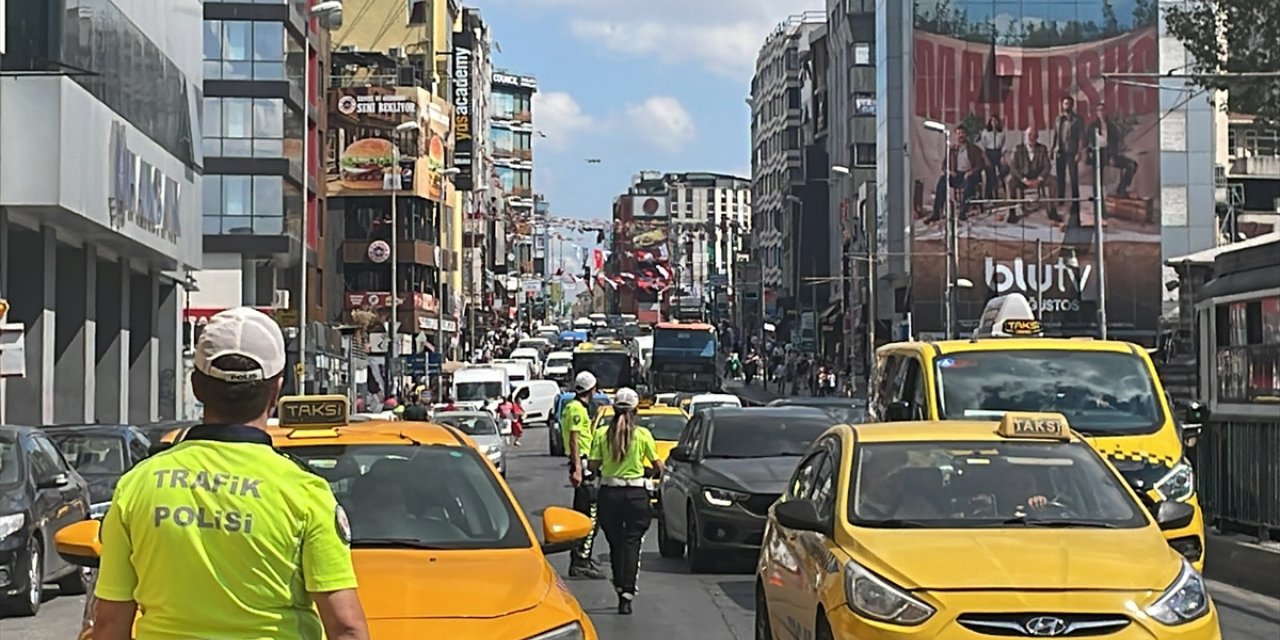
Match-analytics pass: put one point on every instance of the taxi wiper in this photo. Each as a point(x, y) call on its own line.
point(410, 543)
point(1059, 523)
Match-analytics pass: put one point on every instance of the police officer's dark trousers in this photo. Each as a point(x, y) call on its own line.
point(584, 502)
point(625, 517)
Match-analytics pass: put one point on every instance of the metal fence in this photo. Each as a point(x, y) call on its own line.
point(1238, 476)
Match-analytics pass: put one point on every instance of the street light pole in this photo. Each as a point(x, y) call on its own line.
point(1099, 245)
point(393, 349)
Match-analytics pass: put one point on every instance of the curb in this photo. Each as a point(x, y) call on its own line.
point(1240, 562)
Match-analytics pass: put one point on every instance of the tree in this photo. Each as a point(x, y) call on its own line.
point(1226, 38)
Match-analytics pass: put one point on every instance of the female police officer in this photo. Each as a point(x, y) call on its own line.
point(619, 453)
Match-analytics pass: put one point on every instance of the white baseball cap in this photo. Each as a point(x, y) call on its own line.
point(626, 399)
point(584, 382)
point(244, 332)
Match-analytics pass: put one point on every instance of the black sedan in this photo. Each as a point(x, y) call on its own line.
point(39, 495)
point(730, 466)
point(101, 453)
point(844, 410)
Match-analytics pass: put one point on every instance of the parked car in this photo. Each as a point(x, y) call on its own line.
point(40, 493)
point(483, 429)
point(101, 453)
point(729, 467)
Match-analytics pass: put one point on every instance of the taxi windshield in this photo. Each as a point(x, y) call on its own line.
point(663, 426)
point(472, 391)
point(1098, 392)
point(469, 423)
point(956, 485)
point(418, 497)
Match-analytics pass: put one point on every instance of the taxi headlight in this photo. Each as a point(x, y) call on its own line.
point(571, 631)
point(1185, 600)
point(722, 497)
point(10, 524)
point(874, 597)
point(1178, 484)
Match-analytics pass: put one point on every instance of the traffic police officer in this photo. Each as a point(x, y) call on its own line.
point(619, 454)
point(575, 426)
point(222, 536)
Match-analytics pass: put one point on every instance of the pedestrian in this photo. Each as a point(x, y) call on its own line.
point(416, 411)
point(619, 454)
point(222, 535)
point(575, 425)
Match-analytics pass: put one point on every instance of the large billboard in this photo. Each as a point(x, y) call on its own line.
point(1019, 89)
point(369, 155)
point(463, 109)
point(642, 235)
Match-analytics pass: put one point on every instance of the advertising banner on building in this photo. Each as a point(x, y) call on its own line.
point(463, 110)
point(369, 155)
point(1018, 90)
point(647, 207)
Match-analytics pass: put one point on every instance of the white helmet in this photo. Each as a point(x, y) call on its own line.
point(584, 382)
point(626, 399)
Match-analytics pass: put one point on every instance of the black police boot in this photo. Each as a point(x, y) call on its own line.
point(624, 603)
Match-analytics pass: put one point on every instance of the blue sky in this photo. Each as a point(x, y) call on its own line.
point(642, 85)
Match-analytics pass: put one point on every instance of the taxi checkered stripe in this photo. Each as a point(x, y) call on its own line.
point(1139, 456)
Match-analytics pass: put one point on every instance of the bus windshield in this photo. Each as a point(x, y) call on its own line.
point(612, 370)
point(1098, 392)
point(687, 342)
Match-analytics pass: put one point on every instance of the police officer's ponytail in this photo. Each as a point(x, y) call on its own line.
point(621, 432)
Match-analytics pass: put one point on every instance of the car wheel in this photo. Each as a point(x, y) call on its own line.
point(74, 583)
point(763, 629)
point(668, 547)
point(27, 603)
point(699, 560)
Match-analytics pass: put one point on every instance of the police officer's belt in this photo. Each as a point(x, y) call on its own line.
point(623, 482)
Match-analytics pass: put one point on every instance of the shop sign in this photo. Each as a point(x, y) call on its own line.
point(139, 193)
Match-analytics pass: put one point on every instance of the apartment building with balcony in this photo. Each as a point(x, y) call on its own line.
point(1249, 192)
point(511, 134)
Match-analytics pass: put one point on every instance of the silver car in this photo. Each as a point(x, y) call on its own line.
point(482, 428)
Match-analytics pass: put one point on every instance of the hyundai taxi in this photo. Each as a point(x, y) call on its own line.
point(440, 546)
point(966, 529)
point(1109, 390)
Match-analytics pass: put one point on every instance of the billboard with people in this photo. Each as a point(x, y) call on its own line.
point(1015, 105)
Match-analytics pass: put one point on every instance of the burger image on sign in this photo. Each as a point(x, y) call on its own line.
point(364, 161)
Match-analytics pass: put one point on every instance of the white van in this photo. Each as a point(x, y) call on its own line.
point(480, 388)
point(541, 400)
point(559, 367)
point(531, 355)
point(517, 370)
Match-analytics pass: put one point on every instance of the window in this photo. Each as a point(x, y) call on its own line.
point(236, 204)
point(801, 484)
point(862, 53)
point(244, 127)
point(864, 154)
point(244, 50)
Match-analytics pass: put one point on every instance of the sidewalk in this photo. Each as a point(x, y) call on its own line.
point(752, 394)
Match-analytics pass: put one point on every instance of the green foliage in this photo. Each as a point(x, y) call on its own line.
point(1232, 37)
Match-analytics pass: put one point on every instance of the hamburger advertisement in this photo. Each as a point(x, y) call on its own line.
point(387, 139)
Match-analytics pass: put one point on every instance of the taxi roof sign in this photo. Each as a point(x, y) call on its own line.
point(1008, 316)
point(1041, 426)
point(312, 412)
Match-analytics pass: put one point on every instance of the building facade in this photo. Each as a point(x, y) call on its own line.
point(480, 191)
point(777, 163)
point(1035, 72)
point(711, 223)
point(99, 200)
point(263, 136)
point(511, 134)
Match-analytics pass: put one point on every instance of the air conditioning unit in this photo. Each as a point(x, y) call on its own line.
point(280, 299)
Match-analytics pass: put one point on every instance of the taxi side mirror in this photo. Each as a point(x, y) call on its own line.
point(800, 515)
point(79, 543)
point(1174, 515)
point(562, 529)
point(681, 453)
point(899, 411)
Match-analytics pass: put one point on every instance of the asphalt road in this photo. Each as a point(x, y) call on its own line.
point(672, 603)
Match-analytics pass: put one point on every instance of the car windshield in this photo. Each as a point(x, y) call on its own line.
point(470, 424)
point(433, 497)
point(663, 426)
point(560, 361)
point(473, 391)
point(752, 436)
point(92, 454)
point(1098, 392)
point(10, 464)
point(987, 484)
point(612, 370)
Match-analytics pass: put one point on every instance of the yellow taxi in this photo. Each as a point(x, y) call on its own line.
point(1109, 390)
point(969, 529)
point(664, 422)
point(440, 545)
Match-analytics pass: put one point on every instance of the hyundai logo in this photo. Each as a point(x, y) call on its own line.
point(1046, 626)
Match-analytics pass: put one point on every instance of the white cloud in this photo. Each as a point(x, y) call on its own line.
point(721, 36)
point(660, 121)
point(560, 118)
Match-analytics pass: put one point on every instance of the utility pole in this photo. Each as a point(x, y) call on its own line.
point(1099, 245)
point(949, 293)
